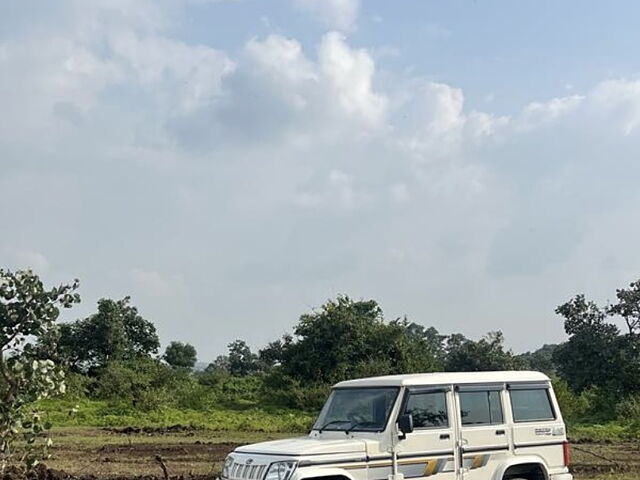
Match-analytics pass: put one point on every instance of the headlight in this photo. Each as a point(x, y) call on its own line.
point(280, 470)
point(226, 470)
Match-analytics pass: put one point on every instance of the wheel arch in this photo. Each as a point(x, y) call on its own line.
point(522, 466)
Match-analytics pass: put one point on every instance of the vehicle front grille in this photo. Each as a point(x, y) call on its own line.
point(246, 471)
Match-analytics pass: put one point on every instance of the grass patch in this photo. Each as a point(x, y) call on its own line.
point(608, 432)
point(94, 413)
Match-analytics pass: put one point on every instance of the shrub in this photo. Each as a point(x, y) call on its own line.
point(282, 390)
point(628, 410)
point(574, 407)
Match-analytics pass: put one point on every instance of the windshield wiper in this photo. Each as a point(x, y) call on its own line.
point(332, 422)
point(354, 425)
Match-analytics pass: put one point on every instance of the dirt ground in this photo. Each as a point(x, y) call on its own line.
point(110, 454)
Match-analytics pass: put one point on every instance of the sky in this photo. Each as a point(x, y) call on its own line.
point(233, 164)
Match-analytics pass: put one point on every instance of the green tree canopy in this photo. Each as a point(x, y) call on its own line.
point(628, 307)
point(586, 359)
point(180, 355)
point(241, 361)
point(488, 353)
point(347, 338)
point(597, 354)
point(115, 332)
point(541, 360)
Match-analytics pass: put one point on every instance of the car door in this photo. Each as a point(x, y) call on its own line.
point(428, 451)
point(538, 427)
point(483, 434)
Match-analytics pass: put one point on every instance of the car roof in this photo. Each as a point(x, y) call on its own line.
point(445, 378)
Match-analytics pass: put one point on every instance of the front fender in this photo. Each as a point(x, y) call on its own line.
point(319, 472)
point(521, 460)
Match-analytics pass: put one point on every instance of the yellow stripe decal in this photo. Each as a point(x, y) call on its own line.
point(431, 468)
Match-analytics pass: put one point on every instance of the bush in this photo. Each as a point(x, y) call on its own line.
point(78, 385)
point(573, 407)
point(280, 389)
point(628, 410)
point(145, 384)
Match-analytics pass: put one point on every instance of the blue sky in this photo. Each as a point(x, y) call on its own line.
point(232, 164)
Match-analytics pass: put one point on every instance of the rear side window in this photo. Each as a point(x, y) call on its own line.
point(531, 405)
point(481, 408)
point(429, 409)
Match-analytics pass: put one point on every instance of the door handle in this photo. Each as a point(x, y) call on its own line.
point(500, 432)
point(445, 436)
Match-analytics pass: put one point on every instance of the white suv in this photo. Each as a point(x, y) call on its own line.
point(450, 426)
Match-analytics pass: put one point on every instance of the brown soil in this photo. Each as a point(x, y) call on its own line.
point(215, 451)
point(135, 456)
point(43, 473)
point(183, 429)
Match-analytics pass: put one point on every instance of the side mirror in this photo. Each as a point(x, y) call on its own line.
point(405, 423)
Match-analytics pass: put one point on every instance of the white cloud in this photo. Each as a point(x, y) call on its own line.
point(619, 99)
point(338, 14)
point(279, 94)
point(63, 73)
point(278, 167)
point(191, 74)
point(350, 72)
point(338, 192)
point(537, 114)
point(432, 124)
point(282, 59)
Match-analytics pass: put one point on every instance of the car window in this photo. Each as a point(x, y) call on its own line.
point(531, 405)
point(428, 409)
point(481, 408)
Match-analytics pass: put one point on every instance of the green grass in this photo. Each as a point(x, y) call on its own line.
point(96, 413)
point(608, 432)
point(93, 413)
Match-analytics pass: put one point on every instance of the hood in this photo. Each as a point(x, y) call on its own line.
point(304, 446)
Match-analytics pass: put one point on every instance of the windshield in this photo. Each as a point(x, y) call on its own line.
point(357, 409)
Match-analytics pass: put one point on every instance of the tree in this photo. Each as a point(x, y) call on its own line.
point(588, 357)
point(180, 355)
point(541, 360)
point(242, 361)
point(28, 311)
point(271, 355)
point(219, 365)
point(488, 353)
point(347, 338)
point(115, 332)
point(628, 307)
point(585, 317)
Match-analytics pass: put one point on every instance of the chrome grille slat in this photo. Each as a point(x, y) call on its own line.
point(247, 471)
